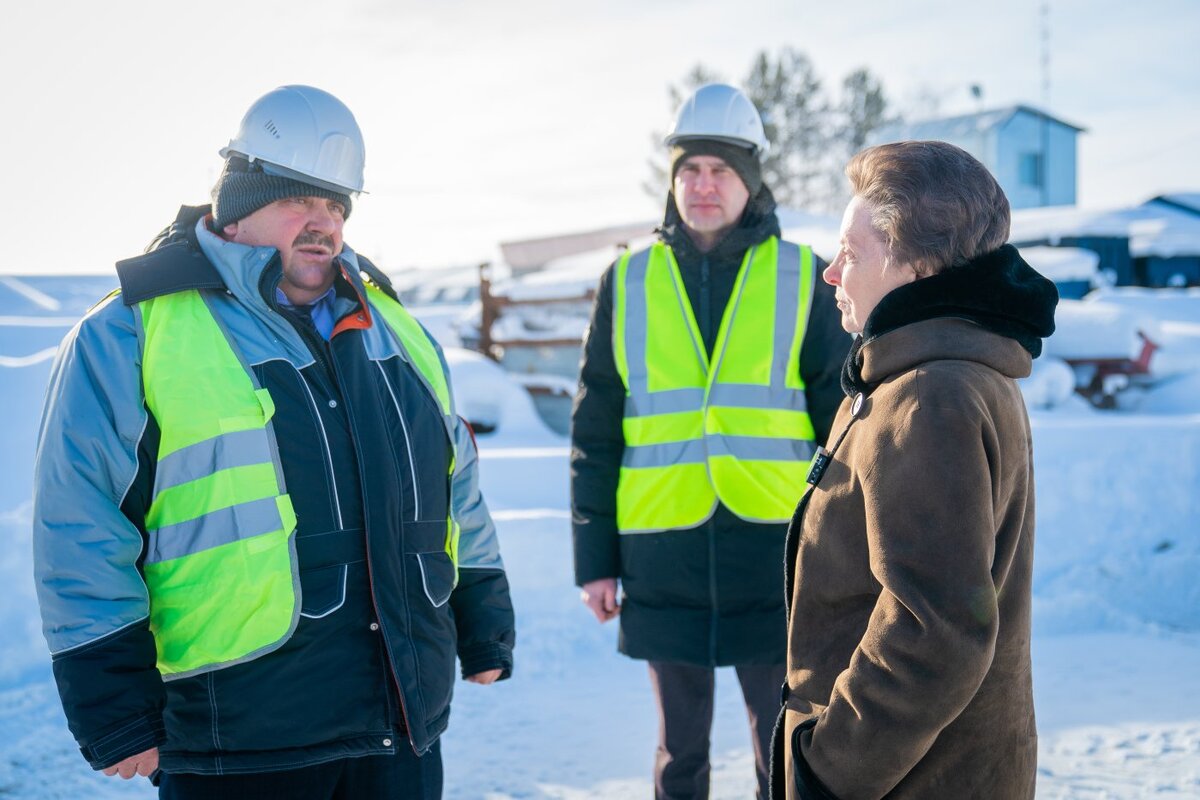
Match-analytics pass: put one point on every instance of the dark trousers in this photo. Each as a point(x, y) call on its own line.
point(685, 710)
point(402, 776)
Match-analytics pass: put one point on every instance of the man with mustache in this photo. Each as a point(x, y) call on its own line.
point(710, 374)
point(259, 538)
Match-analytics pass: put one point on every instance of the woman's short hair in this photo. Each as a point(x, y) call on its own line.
point(934, 203)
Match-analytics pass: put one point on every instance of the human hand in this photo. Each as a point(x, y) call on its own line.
point(601, 597)
point(486, 677)
point(142, 764)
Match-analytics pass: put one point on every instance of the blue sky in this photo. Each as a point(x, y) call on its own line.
point(493, 121)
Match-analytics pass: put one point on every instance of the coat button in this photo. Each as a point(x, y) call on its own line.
point(333, 403)
point(387, 742)
point(374, 626)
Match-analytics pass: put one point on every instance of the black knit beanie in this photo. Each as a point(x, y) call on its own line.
point(740, 159)
point(244, 188)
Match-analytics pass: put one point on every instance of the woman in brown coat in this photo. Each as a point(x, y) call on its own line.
point(910, 558)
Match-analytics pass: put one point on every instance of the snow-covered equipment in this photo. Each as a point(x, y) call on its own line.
point(303, 133)
point(1108, 347)
point(721, 112)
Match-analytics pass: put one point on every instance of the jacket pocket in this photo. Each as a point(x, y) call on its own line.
point(323, 591)
point(437, 576)
point(805, 783)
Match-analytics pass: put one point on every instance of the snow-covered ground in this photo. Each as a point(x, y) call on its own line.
point(1116, 616)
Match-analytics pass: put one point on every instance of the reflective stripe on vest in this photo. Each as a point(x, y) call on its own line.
point(221, 565)
point(736, 429)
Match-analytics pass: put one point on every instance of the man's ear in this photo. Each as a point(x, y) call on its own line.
point(230, 230)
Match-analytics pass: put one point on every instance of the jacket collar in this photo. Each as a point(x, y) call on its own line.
point(939, 340)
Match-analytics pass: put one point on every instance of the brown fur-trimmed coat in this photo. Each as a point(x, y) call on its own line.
point(908, 636)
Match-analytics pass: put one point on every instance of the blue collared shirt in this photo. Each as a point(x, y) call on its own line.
point(321, 310)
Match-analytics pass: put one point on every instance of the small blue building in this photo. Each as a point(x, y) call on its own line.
point(1031, 153)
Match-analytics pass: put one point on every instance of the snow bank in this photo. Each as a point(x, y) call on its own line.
point(1051, 384)
point(1118, 545)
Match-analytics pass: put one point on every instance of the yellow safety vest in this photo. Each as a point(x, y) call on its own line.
point(734, 429)
point(221, 566)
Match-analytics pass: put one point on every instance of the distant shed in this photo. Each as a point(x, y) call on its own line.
point(1031, 153)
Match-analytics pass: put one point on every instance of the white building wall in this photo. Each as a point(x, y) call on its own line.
point(1028, 134)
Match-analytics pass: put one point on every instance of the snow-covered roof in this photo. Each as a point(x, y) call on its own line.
point(960, 126)
point(1152, 229)
point(1184, 201)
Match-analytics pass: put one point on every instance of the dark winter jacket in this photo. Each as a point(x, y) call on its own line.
point(910, 562)
point(366, 462)
point(711, 594)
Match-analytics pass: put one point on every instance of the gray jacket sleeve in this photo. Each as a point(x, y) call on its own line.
point(86, 551)
point(478, 545)
point(482, 602)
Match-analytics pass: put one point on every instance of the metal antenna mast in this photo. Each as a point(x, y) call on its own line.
point(1044, 166)
point(1045, 19)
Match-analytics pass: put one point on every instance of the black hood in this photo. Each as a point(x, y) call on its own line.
point(182, 229)
point(998, 291)
point(758, 222)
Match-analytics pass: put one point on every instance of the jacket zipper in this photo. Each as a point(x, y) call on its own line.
point(705, 322)
point(407, 443)
point(387, 645)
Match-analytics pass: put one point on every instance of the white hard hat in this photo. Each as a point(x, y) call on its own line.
point(303, 133)
point(721, 112)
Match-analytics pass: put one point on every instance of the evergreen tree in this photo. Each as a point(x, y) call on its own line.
point(795, 114)
point(863, 106)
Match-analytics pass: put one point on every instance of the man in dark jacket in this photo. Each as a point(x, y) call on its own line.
point(710, 374)
point(259, 539)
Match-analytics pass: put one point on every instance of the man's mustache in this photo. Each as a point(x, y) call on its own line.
point(310, 238)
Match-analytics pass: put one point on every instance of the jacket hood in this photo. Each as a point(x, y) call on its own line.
point(757, 224)
point(998, 292)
